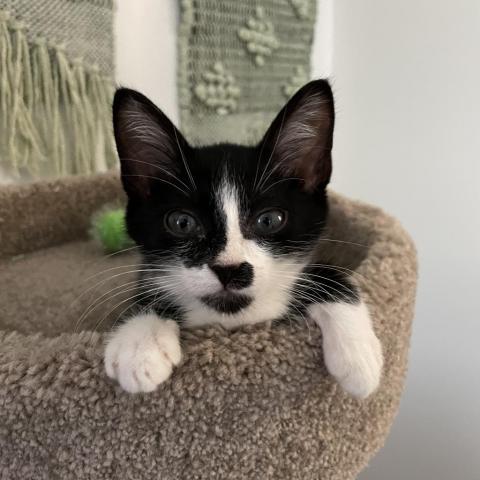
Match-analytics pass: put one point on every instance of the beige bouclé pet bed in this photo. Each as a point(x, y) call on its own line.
point(256, 403)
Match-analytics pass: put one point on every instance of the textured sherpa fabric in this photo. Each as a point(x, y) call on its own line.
point(41, 214)
point(256, 403)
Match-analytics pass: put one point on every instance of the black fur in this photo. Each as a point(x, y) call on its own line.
point(157, 168)
point(226, 302)
point(234, 276)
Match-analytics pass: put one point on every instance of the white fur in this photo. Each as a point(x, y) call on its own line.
point(237, 246)
point(197, 282)
point(142, 352)
point(302, 129)
point(268, 303)
point(143, 127)
point(352, 352)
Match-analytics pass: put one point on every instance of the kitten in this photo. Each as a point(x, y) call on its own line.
point(227, 234)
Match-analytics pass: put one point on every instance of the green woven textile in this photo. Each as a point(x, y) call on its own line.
point(56, 67)
point(239, 61)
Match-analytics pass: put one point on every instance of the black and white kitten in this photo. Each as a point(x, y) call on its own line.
point(228, 233)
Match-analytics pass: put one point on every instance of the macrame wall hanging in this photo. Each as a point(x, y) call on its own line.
point(56, 67)
point(239, 61)
point(238, 64)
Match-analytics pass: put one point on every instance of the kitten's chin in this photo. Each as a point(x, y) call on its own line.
point(227, 302)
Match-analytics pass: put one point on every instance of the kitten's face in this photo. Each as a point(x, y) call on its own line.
point(226, 229)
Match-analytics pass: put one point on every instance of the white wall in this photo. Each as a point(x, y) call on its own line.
point(146, 50)
point(407, 82)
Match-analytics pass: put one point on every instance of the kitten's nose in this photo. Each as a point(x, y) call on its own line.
point(234, 276)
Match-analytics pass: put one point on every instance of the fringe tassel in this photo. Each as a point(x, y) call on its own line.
point(54, 114)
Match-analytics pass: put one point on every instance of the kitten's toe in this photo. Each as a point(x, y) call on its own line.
point(357, 366)
point(363, 370)
point(141, 354)
point(352, 352)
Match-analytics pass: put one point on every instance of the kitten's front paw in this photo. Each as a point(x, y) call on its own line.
point(142, 352)
point(352, 352)
point(356, 364)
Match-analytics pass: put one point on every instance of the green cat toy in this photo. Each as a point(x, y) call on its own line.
point(109, 230)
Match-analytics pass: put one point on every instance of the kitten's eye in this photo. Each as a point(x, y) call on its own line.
point(270, 222)
point(182, 224)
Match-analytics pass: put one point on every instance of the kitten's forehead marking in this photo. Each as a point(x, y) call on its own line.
point(228, 201)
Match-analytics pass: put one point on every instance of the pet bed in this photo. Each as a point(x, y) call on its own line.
point(246, 404)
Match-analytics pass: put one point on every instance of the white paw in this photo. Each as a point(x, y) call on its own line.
point(356, 364)
point(352, 352)
point(142, 352)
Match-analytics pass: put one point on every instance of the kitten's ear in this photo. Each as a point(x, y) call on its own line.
point(300, 138)
point(150, 148)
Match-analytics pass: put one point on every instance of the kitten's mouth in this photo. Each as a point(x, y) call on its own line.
point(227, 302)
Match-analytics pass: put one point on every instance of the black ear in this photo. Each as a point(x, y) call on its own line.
point(151, 149)
point(299, 141)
